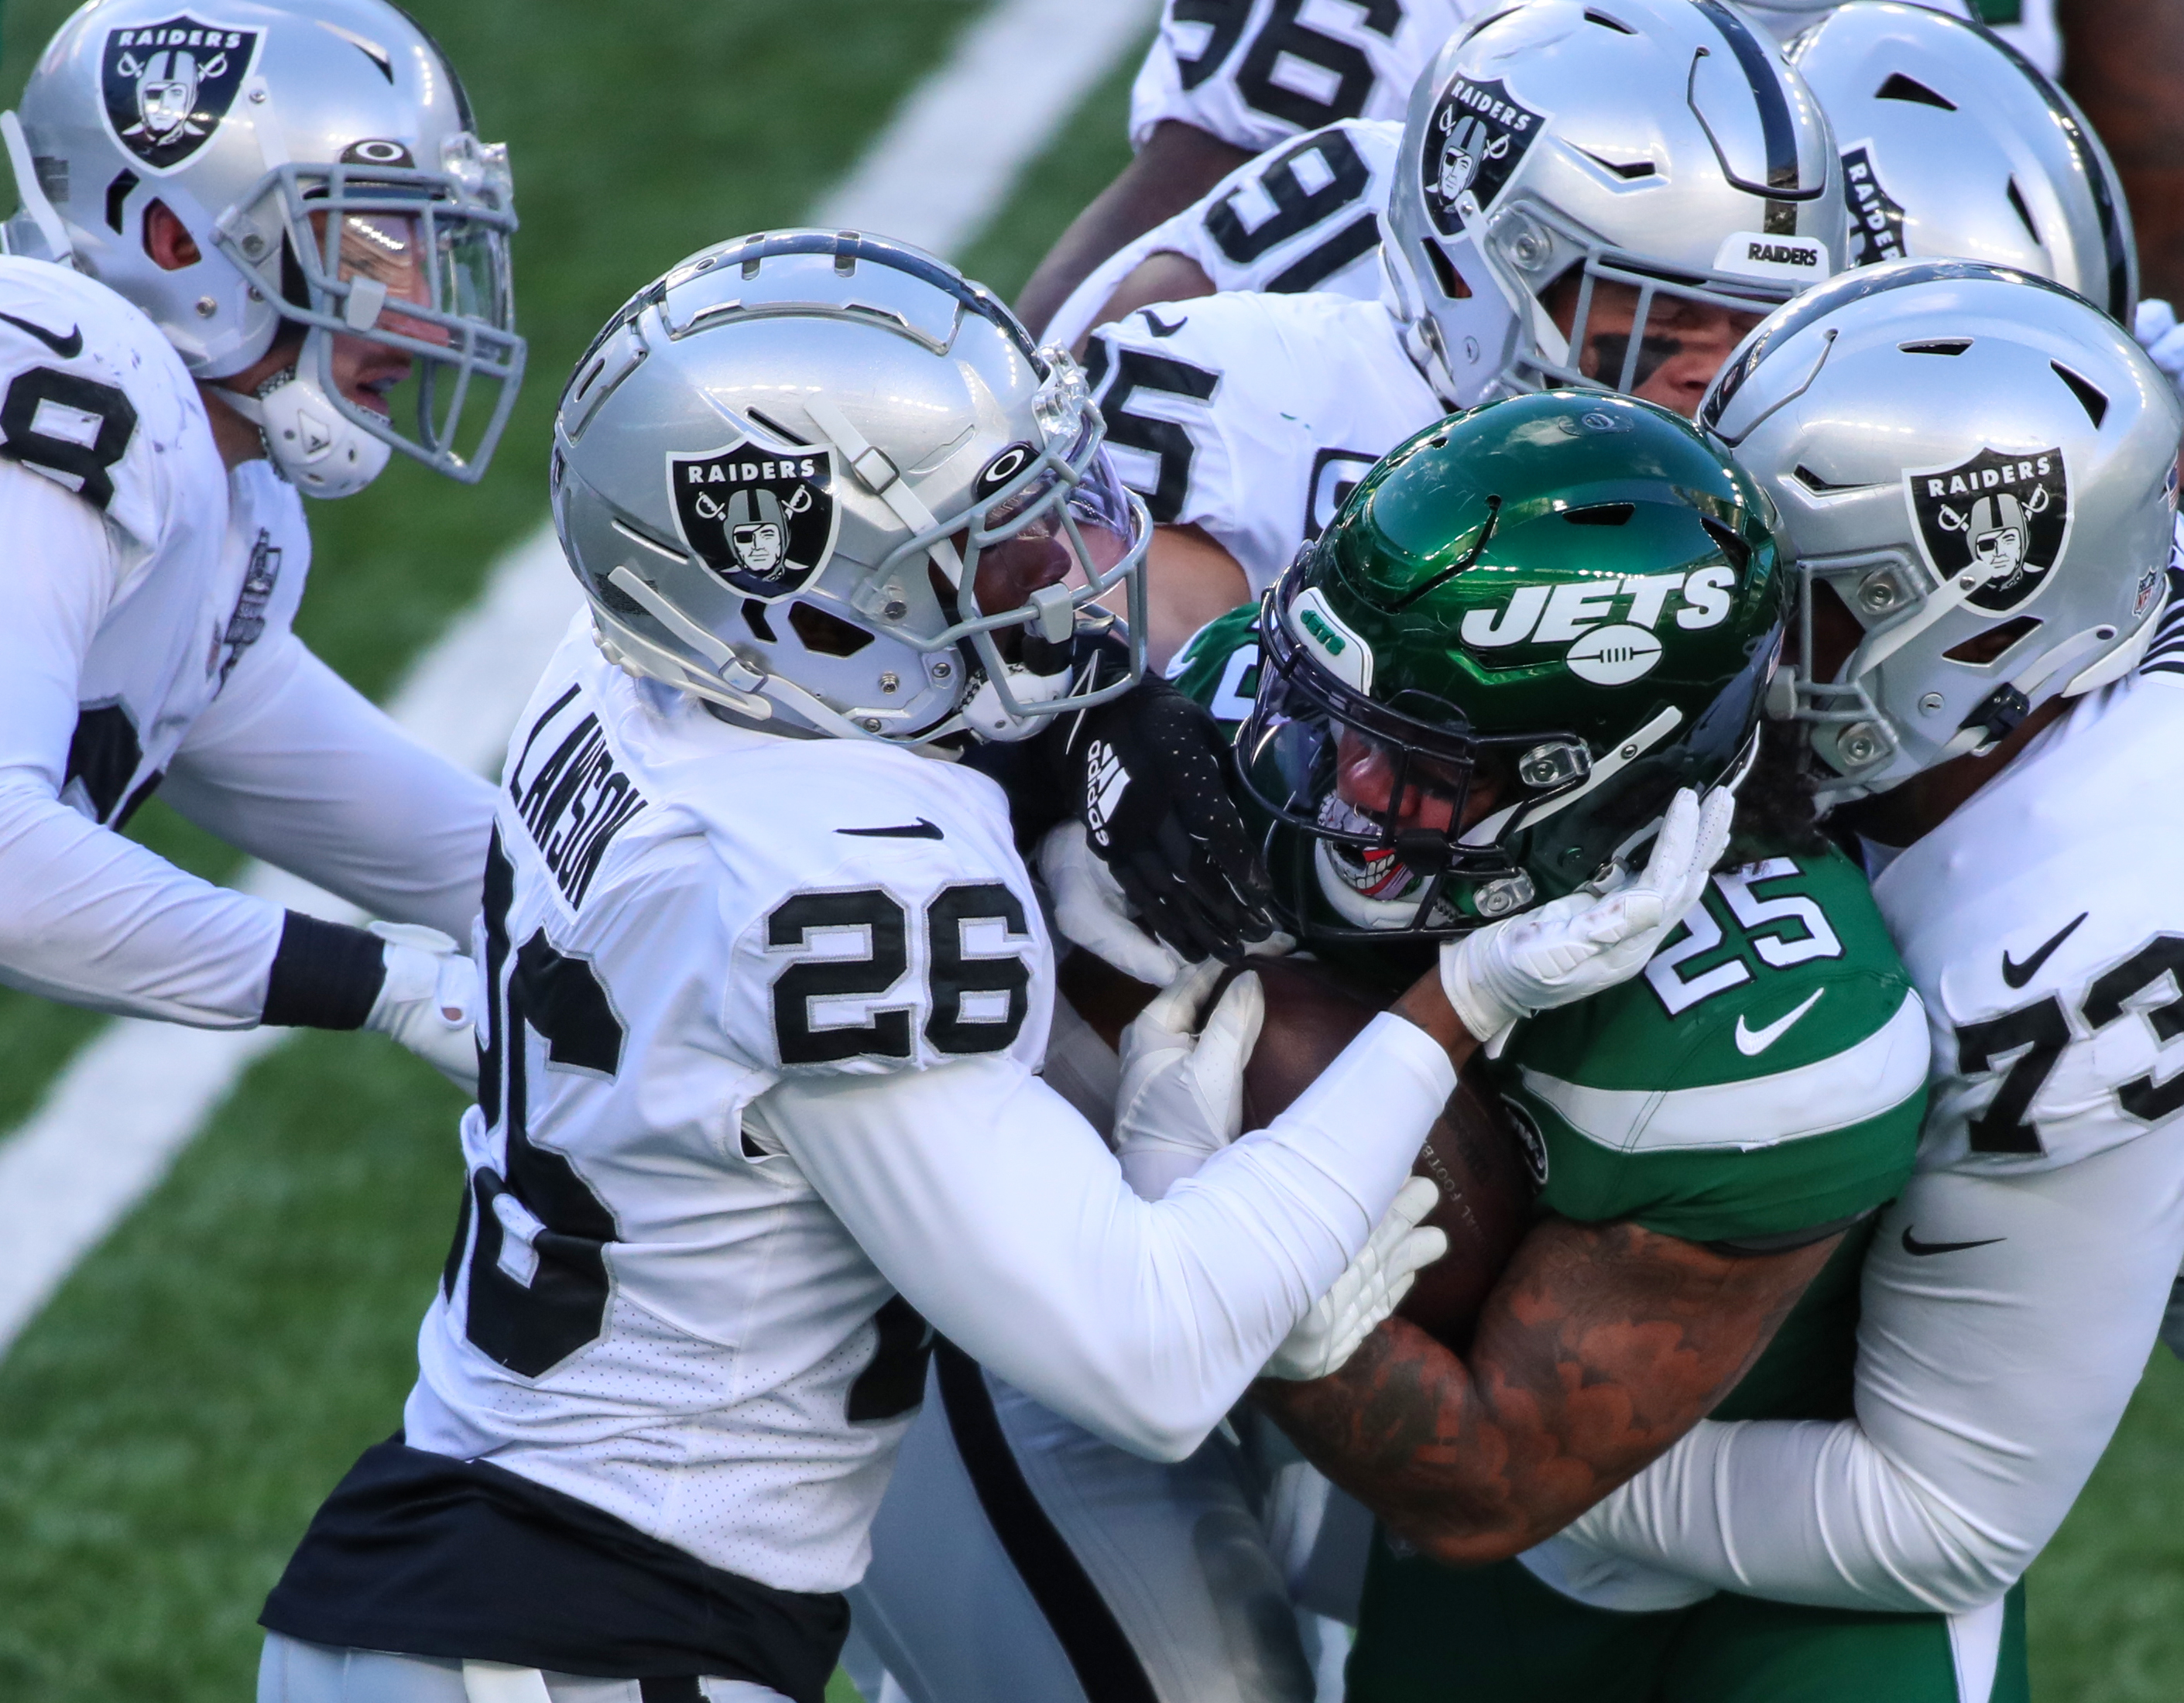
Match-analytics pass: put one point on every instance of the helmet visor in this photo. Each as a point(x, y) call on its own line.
point(1412, 817)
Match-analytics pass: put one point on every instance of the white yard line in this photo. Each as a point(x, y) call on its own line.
point(136, 1096)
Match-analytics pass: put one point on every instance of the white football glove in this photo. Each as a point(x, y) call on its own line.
point(2161, 336)
point(1572, 948)
point(1181, 1098)
point(430, 1000)
point(1090, 909)
point(1371, 1287)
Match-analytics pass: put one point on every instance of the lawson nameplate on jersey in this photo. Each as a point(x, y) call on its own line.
point(2005, 514)
point(168, 85)
point(1477, 138)
point(763, 519)
point(570, 794)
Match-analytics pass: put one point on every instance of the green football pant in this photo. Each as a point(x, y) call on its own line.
point(1433, 1635)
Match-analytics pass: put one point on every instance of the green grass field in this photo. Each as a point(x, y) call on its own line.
point(170, 1422)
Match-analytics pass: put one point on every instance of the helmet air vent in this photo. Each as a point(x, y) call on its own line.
point(2023, 212)
point(1630, 171)
point(1899, 87)
point(1730, 540)
point(829, 634)
point(1445, 273)
point(754, 618)
point(2094, 401)
point(1937, 346)
point(1608, 23)
point(1819, 487)
point(1601, 515)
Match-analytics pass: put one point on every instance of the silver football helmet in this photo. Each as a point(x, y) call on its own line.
point(1981, 467)
point(822, 481)
point(321, 155)
point(1955, 146)
point(1662, 146)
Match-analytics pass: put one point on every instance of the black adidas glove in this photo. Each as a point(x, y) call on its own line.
point(1151, 778)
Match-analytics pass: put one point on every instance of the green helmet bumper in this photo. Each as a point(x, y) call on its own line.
point(1529, 625)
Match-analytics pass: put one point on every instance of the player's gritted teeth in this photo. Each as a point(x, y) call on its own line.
point(1365, 779)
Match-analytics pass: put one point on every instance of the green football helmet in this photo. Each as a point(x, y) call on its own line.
point(1480, 687)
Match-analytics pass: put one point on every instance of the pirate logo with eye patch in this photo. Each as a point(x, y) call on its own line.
point(167, 87)
point(2001, 518)
point(763, 519)
point(1476, 138)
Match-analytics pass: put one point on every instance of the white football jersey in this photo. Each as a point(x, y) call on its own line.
point(93, 397)
point(2052, 968)
point(1305, 215)
point(1254, 415)
point(2023, 1272)
point(765, 1019)
point(1257, 72)
point(655, 1312)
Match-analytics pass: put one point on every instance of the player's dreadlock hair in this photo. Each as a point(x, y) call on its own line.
point(1775, 811)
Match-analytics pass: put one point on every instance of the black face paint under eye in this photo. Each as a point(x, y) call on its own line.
point(1613, 348)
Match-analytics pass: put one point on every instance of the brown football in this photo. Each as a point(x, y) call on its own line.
point(1472, 1153)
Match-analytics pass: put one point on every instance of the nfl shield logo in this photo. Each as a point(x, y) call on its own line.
point(168, 85)
point(2005, 515)
point(764, 520)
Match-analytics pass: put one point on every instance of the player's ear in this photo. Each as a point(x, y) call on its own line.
point(167, 240)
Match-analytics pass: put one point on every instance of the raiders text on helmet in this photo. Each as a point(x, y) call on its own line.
point(793, 474)
point(1663, 145)
point(1980, 467)
point(321, 153)
point(1955, 146)
point(1568, 600)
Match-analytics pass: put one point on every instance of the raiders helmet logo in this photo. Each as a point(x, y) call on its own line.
point(2006, 517)
point(1876, 217)
point(1477, 136)
point(168, 85)
point(764, 520)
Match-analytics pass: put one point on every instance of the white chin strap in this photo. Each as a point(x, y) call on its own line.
point(317, 447)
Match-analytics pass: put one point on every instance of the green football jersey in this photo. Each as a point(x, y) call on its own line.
point(1764, 1076)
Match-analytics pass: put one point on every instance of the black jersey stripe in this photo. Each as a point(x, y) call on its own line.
point(1090, 1635)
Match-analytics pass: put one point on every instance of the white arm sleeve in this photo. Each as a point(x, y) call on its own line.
point(86, 915)
point(1990, 1378)
point(294, 764)
point(999, 1214)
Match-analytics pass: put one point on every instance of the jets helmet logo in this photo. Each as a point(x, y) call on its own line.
point(763, 520)
point(168, 85)
point(2003, 517)
point(1477, 138)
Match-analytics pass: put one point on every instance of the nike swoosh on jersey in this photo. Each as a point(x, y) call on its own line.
point(919, 830)
point(1161, 330)
point(1919, 1249)
point(2017, 975)
point(1752, 1043)
point(68, 348)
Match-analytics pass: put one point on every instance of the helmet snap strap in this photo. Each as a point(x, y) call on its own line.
point(883, 479)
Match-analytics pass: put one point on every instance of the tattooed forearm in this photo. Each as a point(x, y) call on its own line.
point(1599, 1347)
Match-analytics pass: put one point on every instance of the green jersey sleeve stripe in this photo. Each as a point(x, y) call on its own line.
point(1861, 1081)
